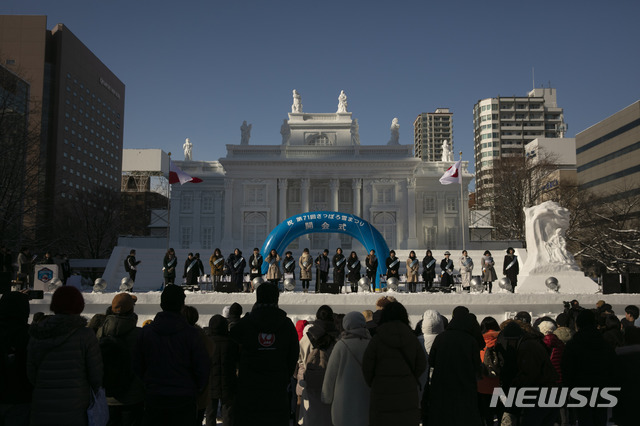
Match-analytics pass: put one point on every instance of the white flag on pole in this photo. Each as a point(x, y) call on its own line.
point(452, 175)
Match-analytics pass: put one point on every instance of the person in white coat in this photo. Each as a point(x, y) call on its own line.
point(344, 386)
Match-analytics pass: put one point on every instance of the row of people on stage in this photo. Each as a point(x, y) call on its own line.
point(343, 267)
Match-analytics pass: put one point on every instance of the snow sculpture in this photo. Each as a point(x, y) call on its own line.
point(342, 102)
point(355, 135)
point(545, 227)
point(395, 132)
point(297, 102)
point(245, 133)
point(285, 131)
point(447, 151)
point(188, 150)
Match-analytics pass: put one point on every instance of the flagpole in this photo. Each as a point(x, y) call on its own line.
point(461, 204)
point(169, 207)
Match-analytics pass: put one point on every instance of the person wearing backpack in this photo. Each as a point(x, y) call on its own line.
point(117, 337)
point(490, 370)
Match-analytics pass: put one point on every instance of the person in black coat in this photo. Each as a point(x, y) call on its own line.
point(289, 264)
point(339, 264)
point(511, 268)
point(371, 263)
point(236, 265)
point(322, 269)
point(191, 270)
point(428, 270)
point(169, 264)
point(393, 265)
point(255, 264)
point(269, 352)
point(223, 380)
point(446, 266)
point(132, 265)
point(588, 361)
point(353, 271)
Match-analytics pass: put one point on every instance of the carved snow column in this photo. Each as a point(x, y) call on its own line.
point(217, 226)
point(334, 185)
point(305, 184)
point(282, 199)
point(412, 242)
point(227, 240)
point(356, 185)
point(197, 197)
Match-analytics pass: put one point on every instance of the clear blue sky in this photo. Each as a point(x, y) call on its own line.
point(197, 69)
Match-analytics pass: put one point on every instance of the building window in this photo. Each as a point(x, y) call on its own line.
point(385, 195)
point(185, 237)
point(344, 195)
point(293, 194)
point(429, 205)
point(319, 195)
point(207, 237)
point(430, 233)
point(186, 202)
point(254, 228)
point(385, 223)
point(452, 237)
point(254, 194)
point(452, 205)
point(207, 202)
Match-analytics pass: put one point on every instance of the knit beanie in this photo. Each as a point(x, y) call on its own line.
point(67, 300)
point(172, 298)
point(267, 294)
point(123, 303)
point(225, 311)
point(353, 320)
point(546, 327)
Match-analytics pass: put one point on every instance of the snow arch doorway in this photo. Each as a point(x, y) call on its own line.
point(327, 222)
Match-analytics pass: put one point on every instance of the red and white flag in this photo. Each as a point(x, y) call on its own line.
point(452, 175)
point(177, 175)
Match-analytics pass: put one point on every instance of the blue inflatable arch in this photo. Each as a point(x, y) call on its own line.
point(327, 222)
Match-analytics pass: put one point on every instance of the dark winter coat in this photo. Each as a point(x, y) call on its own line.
point(392, 271)
point(64, 364)
point(588, 360)
point(511, 273)
point(255, 265)
point(191, 271)
point(323, 262)
point(339, 263)
point(171, 358)
point(124, 327)
point(625, 413)
point(236, 265)
point(392, 364)
point(289, 264)
point(169, 266)
point(269, 350)
point(446, 278)
point(455, 359)
point(15, 387)
point(223, 380)
point(353, 269)
point(428, 272)
point(371, 262)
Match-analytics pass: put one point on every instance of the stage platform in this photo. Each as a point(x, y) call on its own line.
point(298, 305)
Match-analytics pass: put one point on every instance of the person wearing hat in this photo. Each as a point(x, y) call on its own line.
point(63, 362)
point(269, 351)
point(125, 391)
point(488, 271)
point(173, 363)
point(446, 267)
point(511, 268)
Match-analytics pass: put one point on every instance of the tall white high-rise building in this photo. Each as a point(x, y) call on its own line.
point(504, 125)
point(430, 129)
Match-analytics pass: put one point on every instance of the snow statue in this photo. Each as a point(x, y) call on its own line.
point(245, 132)
point(285, 131)
point(355, 135)
point(447, 151)
point(297, 102)
point(547, 255)
point(342, 102)
point(188, 150)
point(395, 132)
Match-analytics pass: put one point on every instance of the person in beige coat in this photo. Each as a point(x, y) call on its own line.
point(413, 267)
point(273, 273)
point(306, 263)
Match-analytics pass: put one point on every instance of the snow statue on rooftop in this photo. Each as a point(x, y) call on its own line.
point(547, 255)
point(355, 135)
point(188, 150)
point(285, 131)
point(342, 102)
point(245, 133)
point(447, 151)
point(297, 102)
point(395, 132)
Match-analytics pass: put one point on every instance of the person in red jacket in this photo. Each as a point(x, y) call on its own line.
point(490, 330)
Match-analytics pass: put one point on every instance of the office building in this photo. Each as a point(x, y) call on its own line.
point(430, 130)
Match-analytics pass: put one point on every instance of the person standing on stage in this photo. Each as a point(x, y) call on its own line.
point(236, 264)
point(255, 264)
point(132, 264)
point(428, 270)
point(322, 263)
point(371, 263)
point(488, 272)
point(466, 268)
point(169, 267)
point(446, 266)
point(353, 271)
point(216, 261)
point(273, 273)
point(413, 266)
point(511, 268)
point(191, 270)
point(289, 264)
point(306, 263)
point(393, 265)
point(338, 268)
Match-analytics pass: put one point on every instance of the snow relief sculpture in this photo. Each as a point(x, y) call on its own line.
point(245, 133)
point(355, 135)
point(447, 151)
point(342, 102)
point(188, 150)
point(395, 132)
point(297, 102)
point(285, 131)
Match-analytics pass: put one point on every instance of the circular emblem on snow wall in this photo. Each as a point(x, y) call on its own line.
point(45, 275)
point(266, 339)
